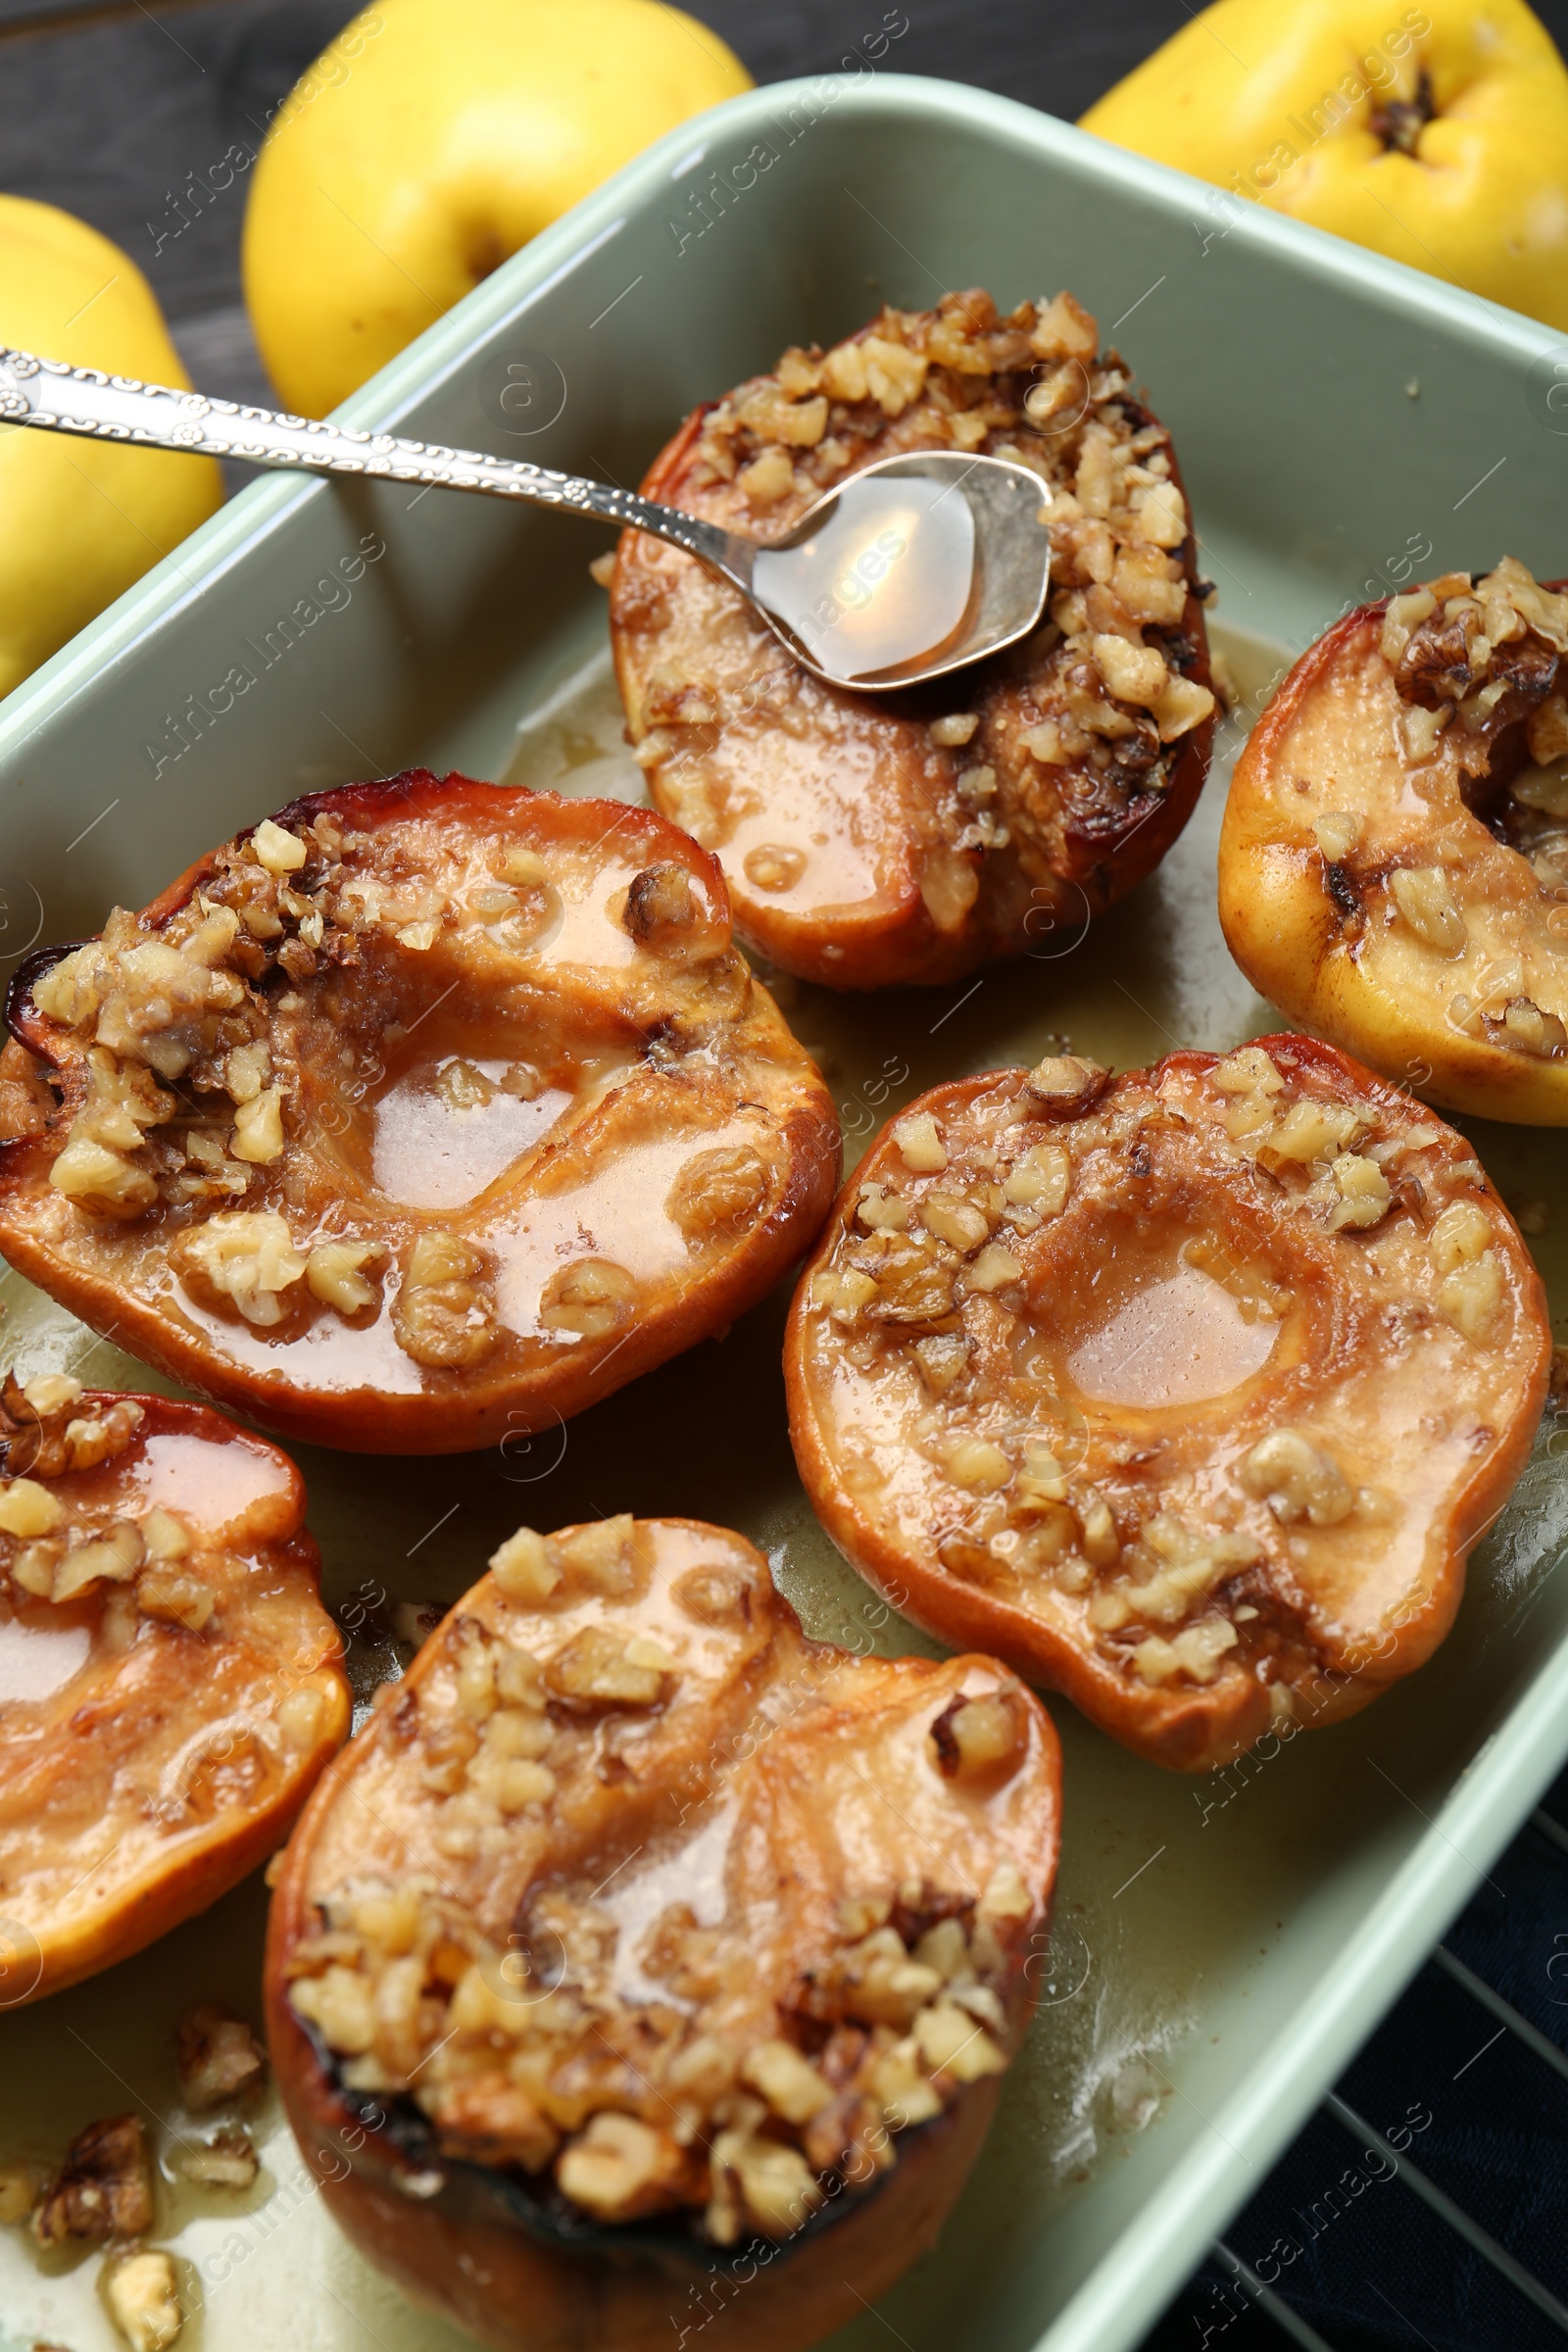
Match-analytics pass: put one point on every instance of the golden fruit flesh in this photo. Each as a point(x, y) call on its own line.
point(1395, 845)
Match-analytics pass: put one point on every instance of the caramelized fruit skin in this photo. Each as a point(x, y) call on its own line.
point(861, 850)
point(810, 1765)
point(1323, 937)
point(1279, 1426)
point(139, 1788)
point(499, 1049)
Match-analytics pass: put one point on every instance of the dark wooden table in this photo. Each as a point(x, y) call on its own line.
point(122, 112)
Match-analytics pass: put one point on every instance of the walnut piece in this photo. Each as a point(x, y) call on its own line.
point(103, 2189)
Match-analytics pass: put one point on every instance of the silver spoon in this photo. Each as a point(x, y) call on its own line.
point(909, 568)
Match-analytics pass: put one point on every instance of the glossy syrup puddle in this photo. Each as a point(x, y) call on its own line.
point(444, 1133)
point(1173, 1342)
point(692, 1874)
point(37, 1661)
point(624, 1198)
point(214, 1485)
point(886, 579)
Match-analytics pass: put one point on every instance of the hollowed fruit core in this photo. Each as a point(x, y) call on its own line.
point(446, 1128)
point(1150, 1329)
point(1153, 1326)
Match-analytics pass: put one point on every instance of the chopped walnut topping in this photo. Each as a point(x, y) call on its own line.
point(621, 2167)
point(1483, 651)
point(177, 1599)
point(1471, 1294)
point(957, 1221)
point(334, 1273)
point(995, 1268)
point(660, 904)
point(1356, 1193)
point(761, 2179)
point(1297, 1480)
point(242, 1256)
point(919, 1143)
point(947, 734)
point(977, 1463)
point(1460, 1235)
point(1425, 898)
point(1529, 1030)
point(277, 848)
point(112, 1558)
point(599, 1669)
point(401, 1988)
point(1186, 1565)
point(1195, 1655)
point(723, 1187)
point(972, 1736)
point(1068, 1082)
point(29, 1509)
point(588, 1299)
point(443, 1314)
point(1420, 730)
point(523, 1569)
point(774, 865)
point(1337, 834)
point(1040, 1179)
point(1310, 1131)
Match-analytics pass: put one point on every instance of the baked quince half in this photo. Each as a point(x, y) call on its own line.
point(423, 1111)
point(1394, 861)
point(869, 840)
point(640, 1944)
point(169, 1683)
point(1186, 1393)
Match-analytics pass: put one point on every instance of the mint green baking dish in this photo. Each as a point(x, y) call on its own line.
point(1222, 1944)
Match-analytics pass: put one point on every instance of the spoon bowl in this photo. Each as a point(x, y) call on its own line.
point(916, 565)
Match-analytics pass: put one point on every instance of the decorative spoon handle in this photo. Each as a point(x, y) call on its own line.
point(62, 399)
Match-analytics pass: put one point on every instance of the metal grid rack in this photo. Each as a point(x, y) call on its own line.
point(1278, 2271)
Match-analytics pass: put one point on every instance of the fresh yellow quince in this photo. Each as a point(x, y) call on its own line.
point(1438, 134)
point(428, 143)
point(79, 521)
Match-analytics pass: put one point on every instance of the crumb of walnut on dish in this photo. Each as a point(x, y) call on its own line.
point(219, 2057)
point(1185, 1391)
point(224, 2160)
point(869, 840)
point(104, 2189)
point(141, 2290)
